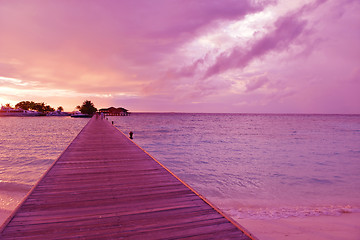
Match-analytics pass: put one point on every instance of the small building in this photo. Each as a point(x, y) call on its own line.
point(112, 111)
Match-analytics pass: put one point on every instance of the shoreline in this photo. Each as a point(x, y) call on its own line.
point(345, 227)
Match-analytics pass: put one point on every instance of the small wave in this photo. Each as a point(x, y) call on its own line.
point(163, 131)
point(278, 213)
point(14, 187)
point(320, 181)
point(354, 151)
point(11, 194)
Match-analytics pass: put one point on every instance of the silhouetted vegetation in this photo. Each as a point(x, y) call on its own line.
point(30, 105)
point(87, 108)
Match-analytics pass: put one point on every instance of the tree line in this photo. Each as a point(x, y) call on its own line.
point(40, 107)
point(87, 107)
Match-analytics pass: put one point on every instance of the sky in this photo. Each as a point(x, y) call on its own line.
point(228, 56)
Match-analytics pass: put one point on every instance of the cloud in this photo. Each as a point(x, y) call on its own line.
point(286, 29)
point(114, 39)
point(179, 52)
point(12, 81)
point(256, 83)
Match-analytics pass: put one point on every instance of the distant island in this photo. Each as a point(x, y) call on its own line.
point(30, 108)
point(88, 109)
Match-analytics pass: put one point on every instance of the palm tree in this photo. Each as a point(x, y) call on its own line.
point(8, 105)
point(87, 108)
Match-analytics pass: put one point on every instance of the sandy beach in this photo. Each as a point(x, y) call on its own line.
point(345, 227)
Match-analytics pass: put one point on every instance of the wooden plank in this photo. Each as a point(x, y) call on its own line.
point(105, 186)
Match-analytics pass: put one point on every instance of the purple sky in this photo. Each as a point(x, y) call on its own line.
point(255, 56)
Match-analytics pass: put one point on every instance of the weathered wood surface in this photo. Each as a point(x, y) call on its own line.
point(104, 186)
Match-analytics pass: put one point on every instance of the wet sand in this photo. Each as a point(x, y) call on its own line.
point(345, 227)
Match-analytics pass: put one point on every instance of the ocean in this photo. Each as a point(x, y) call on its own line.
point(252, 166)
point(28, 146)
point(259, 166)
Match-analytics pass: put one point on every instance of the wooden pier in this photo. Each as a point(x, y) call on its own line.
point(103, 186)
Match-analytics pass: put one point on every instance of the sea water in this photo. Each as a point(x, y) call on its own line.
point(249, 165)
point(259, 166)
point(28, 146)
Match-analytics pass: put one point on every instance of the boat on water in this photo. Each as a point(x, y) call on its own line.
point(17, 112)
point(80, 115)
point(58, 114)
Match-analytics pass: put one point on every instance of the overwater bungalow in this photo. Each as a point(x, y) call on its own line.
point(112, 111)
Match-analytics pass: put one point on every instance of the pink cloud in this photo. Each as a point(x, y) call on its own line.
point(137, 52)
point(107, 36)
point(256, 83)
point(287, 29)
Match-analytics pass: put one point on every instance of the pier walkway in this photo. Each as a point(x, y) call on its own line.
point(103, 186)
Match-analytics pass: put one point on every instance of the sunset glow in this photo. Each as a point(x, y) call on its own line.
point(185, 56)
